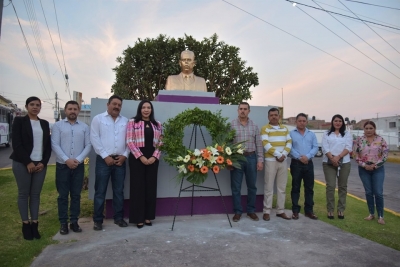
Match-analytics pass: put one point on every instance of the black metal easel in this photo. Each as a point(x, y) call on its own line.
point(198, 188)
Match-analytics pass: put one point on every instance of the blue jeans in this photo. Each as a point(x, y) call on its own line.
point(69, 183)
point(249, 169)
point(373, 185)
point(305, 172)
point(103, 174)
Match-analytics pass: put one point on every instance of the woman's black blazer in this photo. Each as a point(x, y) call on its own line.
point(22, 140)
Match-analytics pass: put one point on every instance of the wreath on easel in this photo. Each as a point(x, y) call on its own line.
point(195, 164)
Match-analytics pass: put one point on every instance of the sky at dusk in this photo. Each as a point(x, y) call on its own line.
point(322, 73)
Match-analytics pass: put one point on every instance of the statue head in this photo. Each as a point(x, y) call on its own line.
point(187, 62)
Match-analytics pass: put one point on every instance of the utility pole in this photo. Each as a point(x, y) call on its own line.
point(57, 109)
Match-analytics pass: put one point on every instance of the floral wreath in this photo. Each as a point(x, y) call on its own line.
point(195, 164)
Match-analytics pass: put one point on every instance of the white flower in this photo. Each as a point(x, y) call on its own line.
point(228, 150)
point(182, 168)
point(240, 151)
point(213, 159)
point(214, 151)
point(200, 162)
point(197, 152)
point(239, 145)
point(179, 158)
point(186, 159)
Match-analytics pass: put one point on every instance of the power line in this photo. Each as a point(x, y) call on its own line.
point(373, 4)
point(357, 18)
point(360, 38)
point(30, 54)
point(38, 39)
point(298, 38)
point(348, 43)
point(371, 28)
point(48, 29)
point(387, 23)
point(62, 51)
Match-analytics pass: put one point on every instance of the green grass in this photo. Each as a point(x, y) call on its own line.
point(15, 251)
point(356, 211)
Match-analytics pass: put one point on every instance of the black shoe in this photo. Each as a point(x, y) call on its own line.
point(64, 229)
point(27, 231)
point(121, 223)
point(139, 225)
point(330, 216)
point(98, 226)
point(35, 231)
point(75, 227)
point(340, 215)
point(148, 223)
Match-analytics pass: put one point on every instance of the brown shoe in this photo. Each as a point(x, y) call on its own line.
point(252, 216)
point(283, 216)
point(311, 215)
point(295, 216)
point(236, 217)
point(266, 217)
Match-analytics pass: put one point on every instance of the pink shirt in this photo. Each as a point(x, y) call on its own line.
point(375, 152)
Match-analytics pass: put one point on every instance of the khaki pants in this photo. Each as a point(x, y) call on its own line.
point(275, 171)
point(330, 173)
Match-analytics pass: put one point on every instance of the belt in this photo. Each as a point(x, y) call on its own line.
point(249, 153)
point(296, 160)
point(114, 156)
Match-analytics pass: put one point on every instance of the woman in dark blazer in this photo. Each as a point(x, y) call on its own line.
point(31, 152)
point(143, 136)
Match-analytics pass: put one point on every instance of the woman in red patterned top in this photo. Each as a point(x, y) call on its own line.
point(371, 153)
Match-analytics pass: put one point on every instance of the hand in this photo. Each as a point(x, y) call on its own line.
point(39, 167)
point(370, 167)
point(260, 166)
point(31, 167)
point(109, 161)
point(281, 159)
point(304, 159)
point(72, 163)
point(151, 160)
point(119, 160)
point(144, 160)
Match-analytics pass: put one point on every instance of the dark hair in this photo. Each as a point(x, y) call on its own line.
point(114, 96)
point(272, 110)
point(342, 129)
point(138, 116)
point(301, 115)
point(72, 102)
point(370, 123)
point(245, 103)
point(32, 98)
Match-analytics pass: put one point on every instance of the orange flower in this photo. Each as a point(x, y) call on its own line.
point(216, 169)
point(191, 168)
point(220, 160)
point(204, 169)
point(229, 162)
point(220, 149)
point(206, 154)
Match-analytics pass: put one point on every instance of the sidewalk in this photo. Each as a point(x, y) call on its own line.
point(208, 240)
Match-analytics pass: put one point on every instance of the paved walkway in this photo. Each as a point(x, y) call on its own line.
point(208, 240)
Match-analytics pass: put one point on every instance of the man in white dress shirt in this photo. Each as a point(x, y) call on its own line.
point(107, 134)
point(186, 80)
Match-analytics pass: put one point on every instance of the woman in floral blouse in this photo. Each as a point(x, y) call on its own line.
point(371, 153)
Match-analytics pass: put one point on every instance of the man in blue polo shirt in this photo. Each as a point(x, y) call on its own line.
point(304, 148)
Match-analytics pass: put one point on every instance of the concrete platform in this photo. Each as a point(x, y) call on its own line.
point(208, 240)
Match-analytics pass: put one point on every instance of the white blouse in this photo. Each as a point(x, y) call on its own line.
point(37, 151)
point(336, 144)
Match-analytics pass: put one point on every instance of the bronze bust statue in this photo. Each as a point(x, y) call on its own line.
point(186, 80)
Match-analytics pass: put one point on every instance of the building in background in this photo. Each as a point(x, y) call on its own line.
point(84, 114)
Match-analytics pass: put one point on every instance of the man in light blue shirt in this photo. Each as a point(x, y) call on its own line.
point(304, 148)
point(70, 140)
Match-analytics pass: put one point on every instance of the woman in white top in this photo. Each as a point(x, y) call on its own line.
point(336, 146)
point(31, 152)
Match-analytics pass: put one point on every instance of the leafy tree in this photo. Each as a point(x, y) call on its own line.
point(143, 69)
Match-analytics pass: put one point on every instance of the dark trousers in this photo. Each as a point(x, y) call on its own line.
point(69, 184)
point(103, 174)
point(305, 172)
point(143, 190)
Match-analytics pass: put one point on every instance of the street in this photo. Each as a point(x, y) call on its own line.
point(391, 189)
